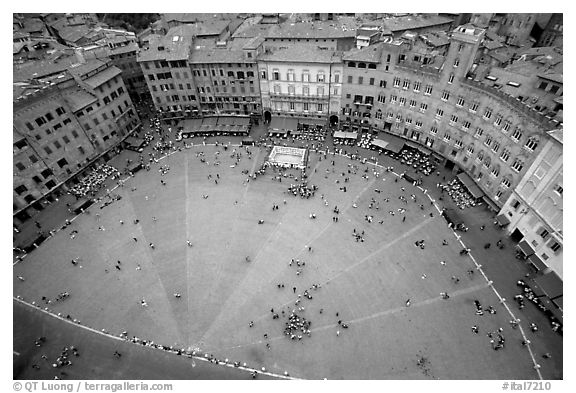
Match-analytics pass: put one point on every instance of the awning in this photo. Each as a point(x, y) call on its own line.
point(502, 219)
point(312, 122)
point(475, 191)
point(466, 179)
point(490, 204)
point(345, 135)
point(550, 284)
point(412, 145)
point(209, 121)
point(395, 144)
point(136, 142)
point(424, 150)
point(525, 247)
point(190, 124)
point(537, 262)
point(379, 143)
point(452, 216)
point(283, 123)
point(472, 188)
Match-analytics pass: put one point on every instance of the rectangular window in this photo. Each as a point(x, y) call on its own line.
point(402, 101)
point(423, 107)
point(439, 113)
point(406, 84)
point(451, 78)
point(445, 95)
point(57, 145)
point(371, 82)
point(488, 113)
point(554, 246)
point(47, 150)
point(396, 82)
point(558, 189)
point(383, 84)
point(479, 132)
point(319, 107)
point(417, 87)
point(428, 90)
point(306, 107)
point(433, 130)
point(543, 232)
point(360, 80)
point(350, 79)
point(460, 101)
point(40, 121)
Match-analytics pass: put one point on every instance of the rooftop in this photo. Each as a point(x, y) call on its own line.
point(557, 134)
point(491, 45)
point(195, 17)
point(371, 54)
point(317, 29)
point(436, 38)
point(175, 45)
point(302, 53)
point(78, 99)
point(553, 76)
point(247, 30)
point(87, 67)
point(74, 33)
point(208, 28)
point(413, 22)
point(39, 69)
point(102, 77)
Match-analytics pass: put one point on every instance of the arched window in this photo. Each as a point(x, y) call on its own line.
point(361, 65)
point(351, 64)
point(532, 143)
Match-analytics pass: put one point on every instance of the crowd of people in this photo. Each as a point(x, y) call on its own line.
point(90, 184)
point(458, 193)
point(303, 189)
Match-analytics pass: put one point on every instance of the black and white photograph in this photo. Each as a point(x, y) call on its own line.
point(359, 196)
